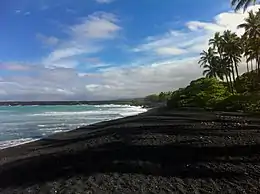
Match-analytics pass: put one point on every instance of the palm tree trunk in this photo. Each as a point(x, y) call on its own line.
point(236, 69)
point(252, 68)
point(258, 65)
point(233, 73)
point(231, 84)
point(227, 79)
point(247, 66)
point(228, 84)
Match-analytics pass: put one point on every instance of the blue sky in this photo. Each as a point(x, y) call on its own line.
point(104, 49)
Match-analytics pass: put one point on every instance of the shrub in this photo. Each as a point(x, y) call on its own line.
point(152, 98)
point(247, 83)
point(203, 92)
point(232, 103)
point(239, 102)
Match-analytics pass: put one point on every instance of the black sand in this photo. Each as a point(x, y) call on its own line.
point(169, 152)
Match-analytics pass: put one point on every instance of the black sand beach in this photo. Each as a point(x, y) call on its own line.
point(155, 152)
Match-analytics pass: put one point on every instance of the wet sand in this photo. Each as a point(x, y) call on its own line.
point(154, 152)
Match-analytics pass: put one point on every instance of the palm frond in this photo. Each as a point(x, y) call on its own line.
point(238, 4)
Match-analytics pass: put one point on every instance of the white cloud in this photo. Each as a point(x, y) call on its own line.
point(194, 38)
point(60, 83)
point(92, 87)
point(49, 41)
point(27, 13)
point(71, 11)
point(197, 25)
point(86, 37)
point(64, 63)
point(104, 1)
point(128, 80)
point(18, 11)
point(13, 67)
point(65, 53)
point(170, 51)
point(171, 43)
point(99, 25)
point(110, 83)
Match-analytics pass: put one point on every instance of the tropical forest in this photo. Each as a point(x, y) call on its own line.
point(222, 86)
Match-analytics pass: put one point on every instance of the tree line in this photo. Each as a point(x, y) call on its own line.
point(227, 50)
point(225, 53)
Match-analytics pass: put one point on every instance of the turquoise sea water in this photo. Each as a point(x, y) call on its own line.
point(21, 124)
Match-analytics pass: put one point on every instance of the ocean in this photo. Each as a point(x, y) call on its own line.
point(22, 124)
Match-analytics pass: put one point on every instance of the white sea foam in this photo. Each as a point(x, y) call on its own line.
point(15, 142)
point(126, 114)
point(58, 131)
point(112, 106)
point(42, 125)
point(126, 111)
point(38, 123)
point(63, 113)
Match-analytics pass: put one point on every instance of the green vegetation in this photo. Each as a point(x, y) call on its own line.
point(162, 97)
point(245, 103)
point(212, 94)
point(247, 83)
point(242, 3)
point(223, 88)
point(204, 93)
point(153, 100)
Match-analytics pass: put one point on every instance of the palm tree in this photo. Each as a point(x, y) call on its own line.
point(255, 52)
point(211, 63)
point(227, 70)
point(249, 52)
point(247, 66)
point(232, 48)
point(251, 25)
point(210, 71)
point(252, 37)
point(238, 4)
point(245, 47)
point(217, 43)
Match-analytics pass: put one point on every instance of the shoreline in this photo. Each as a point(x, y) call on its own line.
point(43, 103)
point(37, 139)
point(159, 151)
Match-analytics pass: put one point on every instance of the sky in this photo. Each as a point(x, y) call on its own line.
point(105, 49)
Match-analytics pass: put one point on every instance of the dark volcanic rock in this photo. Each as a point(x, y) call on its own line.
point(156, 152)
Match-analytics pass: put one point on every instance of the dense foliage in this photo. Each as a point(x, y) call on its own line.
point(247, 83)
point(204, 93)
point(223, 88)
point(239, 102)
point(211, 94)
point(153, 100)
